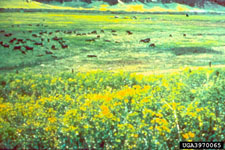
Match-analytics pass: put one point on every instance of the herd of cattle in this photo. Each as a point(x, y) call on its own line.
point(49, 40)
point(32, 41)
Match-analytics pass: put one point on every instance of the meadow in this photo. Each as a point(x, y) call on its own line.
point(115, 40)
point(94, 81)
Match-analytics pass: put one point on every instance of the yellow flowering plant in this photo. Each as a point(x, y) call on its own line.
point(99, 109)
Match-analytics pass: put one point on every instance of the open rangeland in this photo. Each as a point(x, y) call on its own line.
point(55, 42)
point(52, 97)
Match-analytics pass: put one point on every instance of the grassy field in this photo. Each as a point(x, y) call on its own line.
point(180, 41)
point(52, 97)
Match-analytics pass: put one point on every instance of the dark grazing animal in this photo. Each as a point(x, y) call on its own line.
point(129, 32)
point(11, 41)
point(6, 45)
point(147, 40)
point(90, 40)
point(48, 52)
point(56, 38)
point(8, 35)
point(29, 48)
point(38, 44)
point(152, 45)
point(91, 56)
point(34, 35)
point(64, 46)
point(20, 41)
point(17, 48)
point(23, 52)
point(94, 32)
point(53, 47)
point(107, 40)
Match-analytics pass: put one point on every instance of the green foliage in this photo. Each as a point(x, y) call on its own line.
point(111, 110)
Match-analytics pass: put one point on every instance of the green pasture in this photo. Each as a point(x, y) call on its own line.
point(203, 43)
point(51, 97)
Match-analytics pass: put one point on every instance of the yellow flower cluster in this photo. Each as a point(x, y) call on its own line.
point(188, 135)
point(98, 109)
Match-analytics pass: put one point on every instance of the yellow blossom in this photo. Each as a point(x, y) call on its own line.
point(136, 135)
point(191, 134)
point(185, 136)
point(52, 119)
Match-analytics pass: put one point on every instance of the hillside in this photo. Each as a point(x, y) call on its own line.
point(104, 6)
point(28, 5)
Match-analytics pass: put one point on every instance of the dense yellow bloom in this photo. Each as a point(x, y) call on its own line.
point(165, 83)
point(146, 88)
point(68, 98)
point(136, 135)
point(47, 129)
point(2, 106)
point(199, 109)
point(17, 81)
point(92, 110)
point(130, 126)
point(150, 128)
point(106, 112)
point(144, 100)
point(158, 128)
point(86, 126)
point(52, 119)
point(185, 136)
point(159, 115)
point(192, 114)
point(165, 129)
point(33, 86)
point(191, 135)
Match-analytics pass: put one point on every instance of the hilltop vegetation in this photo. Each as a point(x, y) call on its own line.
point(118, 5)
point(192, 3)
